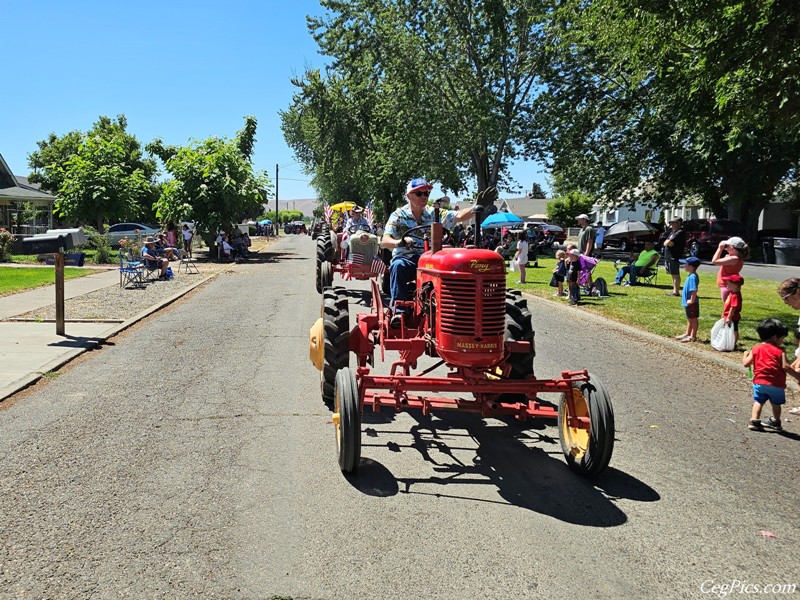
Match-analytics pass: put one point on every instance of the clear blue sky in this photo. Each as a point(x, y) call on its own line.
point(177, 70)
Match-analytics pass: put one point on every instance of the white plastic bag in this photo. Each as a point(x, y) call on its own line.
point(723, 337)
point(512, 265)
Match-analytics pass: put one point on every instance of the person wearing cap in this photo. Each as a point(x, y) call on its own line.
point(406, 250)
point(356, 220)
point(151, 258)
point(729, 257)
point(586, 237)
point(690, 299)
point(732, 308)
point(674, 247)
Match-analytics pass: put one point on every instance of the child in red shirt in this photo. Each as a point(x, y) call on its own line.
point(732, 310)
point(769, 373)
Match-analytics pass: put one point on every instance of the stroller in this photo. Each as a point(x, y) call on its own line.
point(598, 287)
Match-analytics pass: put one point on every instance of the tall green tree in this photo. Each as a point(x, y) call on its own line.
point(96, 175)
point(213, 181)
point(649, 101)
point(439, 88)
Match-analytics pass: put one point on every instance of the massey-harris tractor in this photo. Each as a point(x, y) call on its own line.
point(482, 335)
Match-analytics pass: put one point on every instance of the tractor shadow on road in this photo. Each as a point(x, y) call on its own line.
point(523, 462)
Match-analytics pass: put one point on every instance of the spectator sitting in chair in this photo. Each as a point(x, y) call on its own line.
point(647, 259)
point(152, 259)
point(226, 248)
point(163, 248)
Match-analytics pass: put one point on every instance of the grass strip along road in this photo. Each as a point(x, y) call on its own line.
point(17, 279)
point(648, 308)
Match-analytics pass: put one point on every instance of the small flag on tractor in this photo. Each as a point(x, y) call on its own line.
point(326, 208)
point(368, 214)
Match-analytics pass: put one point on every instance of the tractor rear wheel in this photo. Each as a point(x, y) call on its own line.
point(325, 275)
point(335, 338)
point(347, 419)
point(320, 259)
point(386, 288)
point(324, 241)
point(519, 328)
point(588, 452)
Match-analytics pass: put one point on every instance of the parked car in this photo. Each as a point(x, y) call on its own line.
point(559, 235)
point(128, 230)
point(630, 243)
point(704, 235)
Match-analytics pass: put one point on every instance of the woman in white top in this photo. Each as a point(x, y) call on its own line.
point(521, 257)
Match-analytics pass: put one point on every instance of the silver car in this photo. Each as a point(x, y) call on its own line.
point(128, 230)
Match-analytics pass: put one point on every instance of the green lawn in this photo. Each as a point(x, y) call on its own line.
point(16, 279)
point(650, 309)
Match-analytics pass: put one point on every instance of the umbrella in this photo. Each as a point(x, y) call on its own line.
point(501, 219)
point(265, 222)
point(343, 206)
point(630, 229)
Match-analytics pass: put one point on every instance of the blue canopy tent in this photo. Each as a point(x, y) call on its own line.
point(265, 222)
point(501, 219)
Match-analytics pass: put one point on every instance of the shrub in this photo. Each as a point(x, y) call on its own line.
point(6, 239)
point(103, 250)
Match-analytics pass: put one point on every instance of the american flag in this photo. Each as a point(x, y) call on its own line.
point(368, 214)
point(376, 268)
point(326, 208)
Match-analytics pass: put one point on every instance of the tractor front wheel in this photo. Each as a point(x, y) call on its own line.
point(347, 419)
point(335, 338)
point(587, 450)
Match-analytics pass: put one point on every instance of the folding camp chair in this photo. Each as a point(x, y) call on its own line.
point(130, 271)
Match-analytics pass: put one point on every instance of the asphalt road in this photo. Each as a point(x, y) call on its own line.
point(193, 458)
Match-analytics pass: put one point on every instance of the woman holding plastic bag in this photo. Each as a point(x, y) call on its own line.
point(725, 333)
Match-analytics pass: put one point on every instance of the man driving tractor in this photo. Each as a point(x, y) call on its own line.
point(406, 250)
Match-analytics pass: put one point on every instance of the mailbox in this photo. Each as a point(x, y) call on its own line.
point(77, 235)
point(46, 244)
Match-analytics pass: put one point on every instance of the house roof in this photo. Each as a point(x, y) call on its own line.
point(523, 206)
point(11, 189)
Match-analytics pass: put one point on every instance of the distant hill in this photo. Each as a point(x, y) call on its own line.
point(306, 205)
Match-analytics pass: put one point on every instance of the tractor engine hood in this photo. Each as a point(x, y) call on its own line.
point(464, 260)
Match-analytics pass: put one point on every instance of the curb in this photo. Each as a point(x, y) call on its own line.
point(643, 335)
point(31, 378)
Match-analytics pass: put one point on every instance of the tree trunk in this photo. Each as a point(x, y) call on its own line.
point(100, 223)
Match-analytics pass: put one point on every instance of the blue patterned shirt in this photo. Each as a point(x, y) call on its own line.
point(402, 219)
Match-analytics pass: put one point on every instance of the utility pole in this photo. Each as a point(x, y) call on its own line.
point(276, 200)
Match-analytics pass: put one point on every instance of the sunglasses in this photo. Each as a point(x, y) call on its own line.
point(421, 194)
point(784, 297)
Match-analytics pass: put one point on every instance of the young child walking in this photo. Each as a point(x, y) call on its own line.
point(560, 273)
point(690, 300)
point(732, 309)
point(573, 272)
point(769, 373)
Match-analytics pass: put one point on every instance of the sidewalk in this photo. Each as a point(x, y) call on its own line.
point(28, 350)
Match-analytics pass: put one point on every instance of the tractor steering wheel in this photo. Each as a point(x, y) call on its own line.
point(446, 233)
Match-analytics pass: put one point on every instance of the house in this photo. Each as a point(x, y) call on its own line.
point(524, 207)
point(17, 195)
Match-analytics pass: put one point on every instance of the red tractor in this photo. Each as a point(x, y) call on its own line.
point(482, 333)
point(354, 254)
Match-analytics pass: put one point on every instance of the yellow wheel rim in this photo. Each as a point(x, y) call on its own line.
point(576, 438)
point(336, 418)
